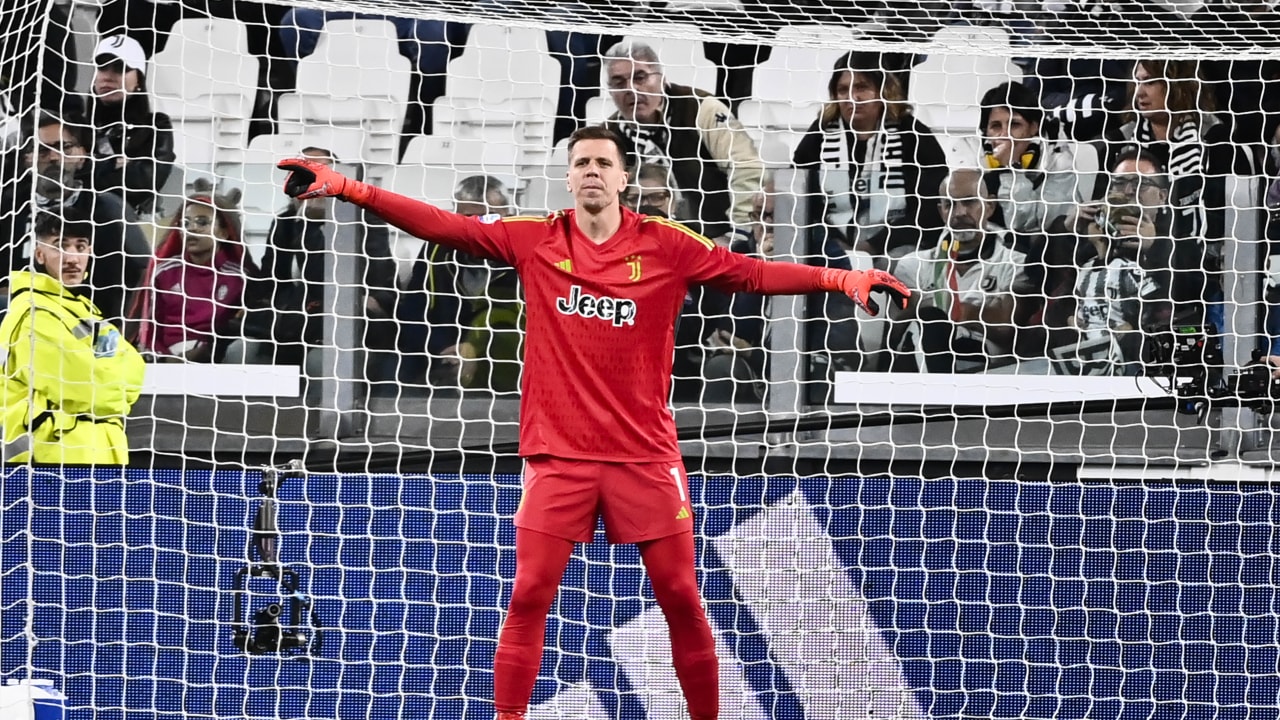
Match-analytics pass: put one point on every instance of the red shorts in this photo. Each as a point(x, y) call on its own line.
point(638, 501)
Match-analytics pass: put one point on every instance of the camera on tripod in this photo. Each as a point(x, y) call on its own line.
point(275, 628)
point(1191, 357)
point(289, 626)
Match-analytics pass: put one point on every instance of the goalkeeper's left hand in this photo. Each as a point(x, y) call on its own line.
point(859, 284)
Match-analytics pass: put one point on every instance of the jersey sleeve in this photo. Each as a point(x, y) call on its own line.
point(488, 237)
point(707, 263)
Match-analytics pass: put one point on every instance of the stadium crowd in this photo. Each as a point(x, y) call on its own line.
point(1090, 215)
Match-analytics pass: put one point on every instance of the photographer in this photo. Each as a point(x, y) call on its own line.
point(1135, 278)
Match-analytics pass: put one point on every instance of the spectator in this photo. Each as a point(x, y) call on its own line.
point(285, 299)
point(196, 283)
point(69, 377)
point(1035, 182)
point(716, 165)
point(1172, 118)
point(473, 332)
point(151, 22)
point(55, 162)
point(875, 165)
point(133, 146)
point(653, 192)
point(967, 287)
point(1168, 112)
point(1136, 278)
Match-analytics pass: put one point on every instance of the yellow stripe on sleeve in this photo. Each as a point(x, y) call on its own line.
point(706, 242)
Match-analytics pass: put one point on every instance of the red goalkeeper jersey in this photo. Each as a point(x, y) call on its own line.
point(600, 318)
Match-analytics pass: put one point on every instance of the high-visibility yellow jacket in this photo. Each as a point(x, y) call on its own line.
point(68, 377)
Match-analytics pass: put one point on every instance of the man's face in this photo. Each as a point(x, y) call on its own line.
point(596, 174)
point(58, 160)
point(111, 82)
point(65, 258)
point(1137, 189)
point(1009, 134)
point(636, 89)
point(652, 193)
point(317, 208)
point(965, 207)
point(859, 100)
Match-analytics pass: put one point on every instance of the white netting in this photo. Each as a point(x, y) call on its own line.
point(1082, 195)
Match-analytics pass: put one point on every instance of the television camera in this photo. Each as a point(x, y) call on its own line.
point(1191, 357)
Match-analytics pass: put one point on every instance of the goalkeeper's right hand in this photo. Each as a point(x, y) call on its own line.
point(313, 179)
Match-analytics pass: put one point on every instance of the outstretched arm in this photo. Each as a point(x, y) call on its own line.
point(310, 179)
point(716, 266)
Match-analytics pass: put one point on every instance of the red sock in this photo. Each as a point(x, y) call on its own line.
point(672, 572)
point(540, 564)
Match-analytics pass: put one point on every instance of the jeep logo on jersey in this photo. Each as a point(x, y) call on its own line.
point(619, 311)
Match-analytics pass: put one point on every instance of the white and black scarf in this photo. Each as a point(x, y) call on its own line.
point(1185, 149)
point(649, 141)
point(863, 196)
point(1184, 156)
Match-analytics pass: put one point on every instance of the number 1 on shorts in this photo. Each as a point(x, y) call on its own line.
point(675, 475)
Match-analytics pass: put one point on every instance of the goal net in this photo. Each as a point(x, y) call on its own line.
point(1005, 499)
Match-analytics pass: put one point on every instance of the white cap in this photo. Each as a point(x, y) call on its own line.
point(122, 47)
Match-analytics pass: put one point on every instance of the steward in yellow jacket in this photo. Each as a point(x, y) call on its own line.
point(69, 377)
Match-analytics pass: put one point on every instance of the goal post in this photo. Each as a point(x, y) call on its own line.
point(1041, 490)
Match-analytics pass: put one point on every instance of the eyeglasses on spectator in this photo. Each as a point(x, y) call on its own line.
point(639, 77)
point(65, 147)
point(1135, 182)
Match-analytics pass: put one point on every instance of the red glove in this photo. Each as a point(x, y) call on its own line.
point(310, 178)
point(859, 284)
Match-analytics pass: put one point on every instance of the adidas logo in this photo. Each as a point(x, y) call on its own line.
point(683, 514)
point(565, 265)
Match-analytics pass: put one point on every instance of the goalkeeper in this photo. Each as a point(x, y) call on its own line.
point(603, 287)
